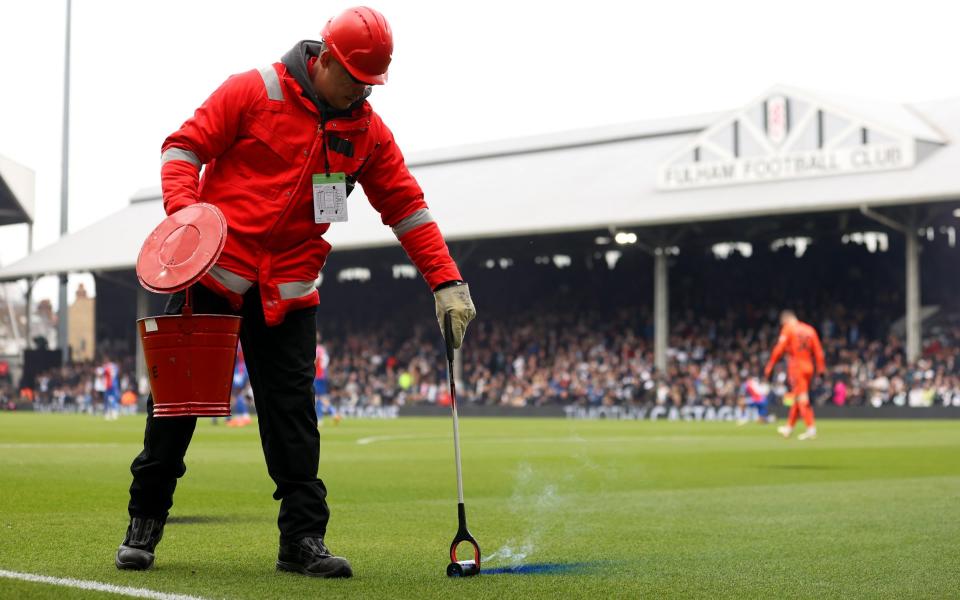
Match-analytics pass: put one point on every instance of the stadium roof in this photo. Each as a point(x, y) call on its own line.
point(16, 193)
point(788, 152)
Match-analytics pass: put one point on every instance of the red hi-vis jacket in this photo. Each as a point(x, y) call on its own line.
point(261, 141)
point(802, 346)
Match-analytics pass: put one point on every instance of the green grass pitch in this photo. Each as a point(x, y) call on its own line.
point(632, 509)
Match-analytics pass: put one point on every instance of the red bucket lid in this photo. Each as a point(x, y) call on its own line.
point(182, 248)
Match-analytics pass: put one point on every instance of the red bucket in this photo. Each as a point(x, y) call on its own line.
point(189, 357)
point(190, 360)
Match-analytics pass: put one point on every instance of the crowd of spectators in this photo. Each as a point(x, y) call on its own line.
point(83, 386)
point(545, 336)
point(590, 358)
point(8, 395)
point(584, 336)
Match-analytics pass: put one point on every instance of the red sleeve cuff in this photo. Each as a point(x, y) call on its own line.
point(428, 251)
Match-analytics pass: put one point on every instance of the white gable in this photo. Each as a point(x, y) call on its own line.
point(791, 134)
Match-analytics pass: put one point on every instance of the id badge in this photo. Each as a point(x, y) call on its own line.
point(329, 198)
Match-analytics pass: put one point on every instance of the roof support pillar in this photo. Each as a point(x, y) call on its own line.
point(63, 335)
point(661, 308)
point(14, 326)
point(28, 297)
point(913, 325)
point(912, 260)
point(28, 307)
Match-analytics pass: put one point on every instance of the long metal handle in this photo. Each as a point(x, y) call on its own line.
point(448, 340)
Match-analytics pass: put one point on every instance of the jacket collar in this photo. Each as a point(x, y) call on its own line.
point(297, 60)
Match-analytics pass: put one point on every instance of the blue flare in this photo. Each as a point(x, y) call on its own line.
point(536, 569)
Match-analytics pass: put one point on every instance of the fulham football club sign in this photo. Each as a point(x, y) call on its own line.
point(787, 134)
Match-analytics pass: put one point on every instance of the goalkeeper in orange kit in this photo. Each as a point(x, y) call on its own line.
point(800, 342)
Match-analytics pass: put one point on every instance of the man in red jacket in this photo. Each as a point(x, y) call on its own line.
point(281, 149)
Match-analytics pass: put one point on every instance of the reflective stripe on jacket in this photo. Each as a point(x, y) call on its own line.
point(261, 141)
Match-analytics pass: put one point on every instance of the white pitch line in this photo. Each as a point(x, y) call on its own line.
point(389, 438)
point(499, 440)
point(96, 586)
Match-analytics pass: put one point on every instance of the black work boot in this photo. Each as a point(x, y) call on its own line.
point(309, 556)
point(136, 551)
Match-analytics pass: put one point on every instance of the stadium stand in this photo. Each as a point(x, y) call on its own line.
point(577, 334)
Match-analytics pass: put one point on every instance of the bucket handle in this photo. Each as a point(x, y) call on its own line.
point(186, 323)
point(187, 308)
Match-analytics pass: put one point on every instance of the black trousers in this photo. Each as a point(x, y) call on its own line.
point(280, 363)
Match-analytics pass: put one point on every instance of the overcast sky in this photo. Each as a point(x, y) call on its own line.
point(461, 73)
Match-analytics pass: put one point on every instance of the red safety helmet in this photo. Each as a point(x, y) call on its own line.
point(361, 41)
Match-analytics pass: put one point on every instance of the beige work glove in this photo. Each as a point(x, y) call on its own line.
point(456, 301)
